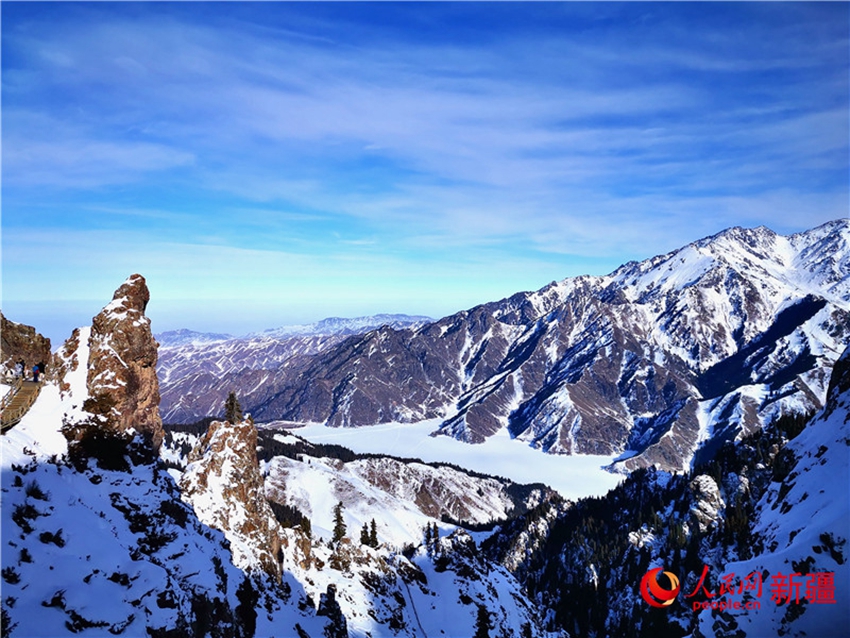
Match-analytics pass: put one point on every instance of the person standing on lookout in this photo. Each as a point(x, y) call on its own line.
point(35, 372)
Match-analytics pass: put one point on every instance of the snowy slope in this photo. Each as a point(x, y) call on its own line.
point(500, 455)
point(118, 552)
point(647, 365)
point(402, 496)
point(770, 506)
point(110, 552)
point(803, 527)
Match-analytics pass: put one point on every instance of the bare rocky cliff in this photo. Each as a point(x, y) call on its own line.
point(122, 362)
point(19, 341)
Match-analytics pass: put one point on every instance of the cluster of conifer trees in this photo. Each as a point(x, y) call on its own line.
point(588, 558)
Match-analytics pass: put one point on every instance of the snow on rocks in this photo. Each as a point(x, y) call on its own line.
point(708, 507)
point(802, 527)
point(223, 484)
point(122, 362)
point(114, 552)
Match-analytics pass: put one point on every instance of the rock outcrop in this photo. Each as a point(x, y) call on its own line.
point(122, 363)
point(224, 484)
point(19, 341)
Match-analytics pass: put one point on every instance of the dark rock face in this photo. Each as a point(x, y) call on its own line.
point(122, 362)
point(198, 370)
point(196, 378)
point(19, 341)
point(329, 607)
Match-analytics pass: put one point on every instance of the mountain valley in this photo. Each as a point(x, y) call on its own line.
point(716, 379)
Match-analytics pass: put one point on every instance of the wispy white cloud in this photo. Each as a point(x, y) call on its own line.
point(86, 163)
point(329, 139)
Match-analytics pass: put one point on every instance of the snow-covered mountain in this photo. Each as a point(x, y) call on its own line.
point(653, 362)
point(802, 528)
point(757, 539)
point(197, 370)
point(184, 337)
point(100, 538)
point(225, 530)
point(347, 326)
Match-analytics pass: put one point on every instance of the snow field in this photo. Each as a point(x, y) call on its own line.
point(573, 476)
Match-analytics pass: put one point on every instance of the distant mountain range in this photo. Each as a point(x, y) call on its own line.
point(115, 524)
point(343, 327)
point(324, 327)
point(654, 362)
point(198, 370)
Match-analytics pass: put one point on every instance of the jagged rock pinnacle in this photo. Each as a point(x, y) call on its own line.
point(224, 484)
point(122, 361)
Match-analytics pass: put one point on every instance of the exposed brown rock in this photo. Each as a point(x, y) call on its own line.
point(19, 341)
point(122, 362)
point(66, 360)
point(224, 485)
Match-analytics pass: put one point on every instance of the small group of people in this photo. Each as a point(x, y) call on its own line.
point(37, 370)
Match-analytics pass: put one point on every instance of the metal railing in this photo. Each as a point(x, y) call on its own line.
point(16, 384)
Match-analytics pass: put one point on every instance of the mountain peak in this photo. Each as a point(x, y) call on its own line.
point(132, 295)
point(122, 361)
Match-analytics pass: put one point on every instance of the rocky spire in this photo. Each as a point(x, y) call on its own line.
point(224, 484)
point(122, 362)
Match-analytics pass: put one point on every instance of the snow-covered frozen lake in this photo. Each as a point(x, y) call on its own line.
point(573, 476)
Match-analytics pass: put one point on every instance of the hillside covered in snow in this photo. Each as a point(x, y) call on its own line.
point(197, 370)
point(716, 378)
point(111, 528)
point(658, 363)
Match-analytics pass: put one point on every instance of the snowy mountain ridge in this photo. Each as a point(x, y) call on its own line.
point(653, 362)
point(99, 538)
point(757, 537)
point(198, 370)
point(186, 337)
point(346, 326)
point(327, 326)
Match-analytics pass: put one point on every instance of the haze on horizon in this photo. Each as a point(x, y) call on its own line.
point(272, 163)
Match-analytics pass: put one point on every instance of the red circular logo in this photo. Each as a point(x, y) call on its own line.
point(654, 593)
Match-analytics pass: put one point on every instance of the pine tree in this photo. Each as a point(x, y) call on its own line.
point(339, 523)
point(428, 536)
point(364, 535)
point(232, 409)
point(373, 535)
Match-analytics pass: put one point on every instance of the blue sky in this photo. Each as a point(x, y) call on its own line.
point(273, 163)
